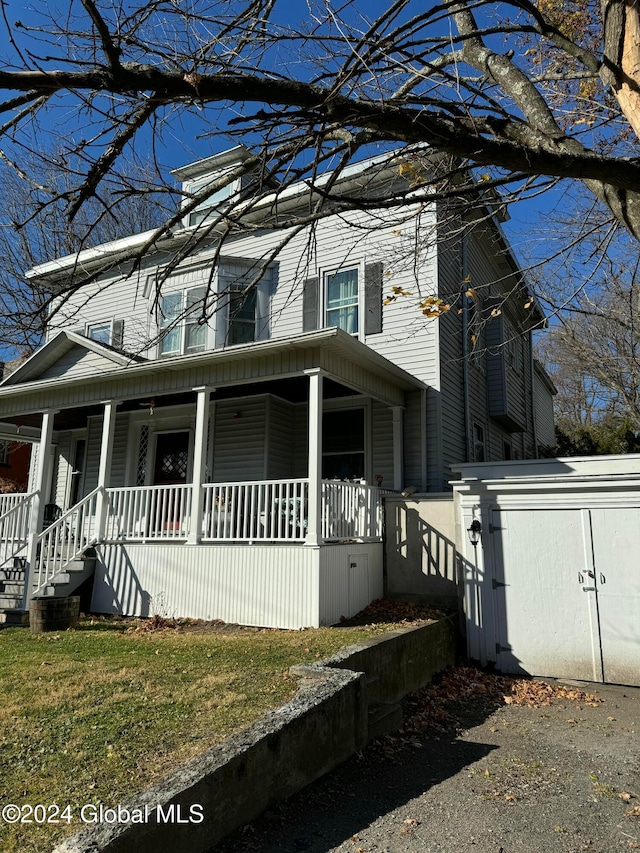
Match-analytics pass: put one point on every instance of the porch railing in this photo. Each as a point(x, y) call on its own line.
point(257, 511)
point(351, 510)
point(10, 501)
point(148, 512)
point(263, 510)
point(14, 526)
point(65, 540)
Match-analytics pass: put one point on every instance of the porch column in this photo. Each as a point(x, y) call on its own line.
point(104, 469)
point(314, 533)
point(398, 447)
point(37, 508)
point(203, 396)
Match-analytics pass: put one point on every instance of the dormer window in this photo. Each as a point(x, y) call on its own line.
point(215, 200)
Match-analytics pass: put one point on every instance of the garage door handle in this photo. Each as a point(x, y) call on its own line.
point(580, 577)
point(602, 578)
point(588, 588)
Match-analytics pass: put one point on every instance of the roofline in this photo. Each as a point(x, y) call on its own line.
point(89, 259)
point(307, 340)
point(541, 370)
point(73, 338)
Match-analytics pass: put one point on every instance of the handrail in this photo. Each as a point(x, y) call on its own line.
point(65, 540)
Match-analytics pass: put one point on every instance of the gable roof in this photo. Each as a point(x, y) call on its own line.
point(66, 351)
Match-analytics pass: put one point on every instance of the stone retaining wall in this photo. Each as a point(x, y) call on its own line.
point(327, 721)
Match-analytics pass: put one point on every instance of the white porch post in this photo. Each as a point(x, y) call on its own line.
point(104, 469)
point(37, 508)
point(203, 396)
point(315, 457)
point(398, 447)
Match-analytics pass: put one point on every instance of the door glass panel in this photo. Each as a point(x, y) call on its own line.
point(172, 458)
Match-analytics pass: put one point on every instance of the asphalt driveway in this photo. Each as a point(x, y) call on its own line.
point(487, 778)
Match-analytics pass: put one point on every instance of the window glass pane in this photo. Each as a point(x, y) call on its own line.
point(170, 309)
point(195, 336)
point(195, 299)
point(242, 317)
point(100, 333)
point(170, 343)
point(343, 445)
point(342, 300)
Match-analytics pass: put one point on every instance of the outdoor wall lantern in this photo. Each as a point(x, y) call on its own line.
point(474, 532)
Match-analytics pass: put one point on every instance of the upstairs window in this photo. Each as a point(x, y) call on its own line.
point(181, 328)
point(109, 333)
point(341, 300)
point(242, 315)
point(209, 205)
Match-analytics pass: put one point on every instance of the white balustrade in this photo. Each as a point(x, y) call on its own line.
point(259, 511)
point(148, 512)
point(351, 510)
point(14, 525)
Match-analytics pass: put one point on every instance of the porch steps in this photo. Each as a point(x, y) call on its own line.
point(63, 584)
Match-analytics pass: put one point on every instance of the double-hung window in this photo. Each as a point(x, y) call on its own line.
point(182, 329)
point(341, 300)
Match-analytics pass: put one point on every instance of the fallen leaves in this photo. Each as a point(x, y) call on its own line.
point(436, 706)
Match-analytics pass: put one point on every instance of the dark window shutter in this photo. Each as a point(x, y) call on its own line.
point(117, 337)
point(373, 298)
point(310, 304)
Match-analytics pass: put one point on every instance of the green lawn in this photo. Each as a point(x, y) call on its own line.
point(95, 714)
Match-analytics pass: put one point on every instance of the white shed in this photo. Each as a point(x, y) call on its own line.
point(553, 586)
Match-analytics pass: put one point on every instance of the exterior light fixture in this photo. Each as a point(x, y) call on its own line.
point(474, 532)
point(152, 405)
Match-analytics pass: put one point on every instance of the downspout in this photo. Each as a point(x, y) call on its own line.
point(532, 369)
point(465, 346)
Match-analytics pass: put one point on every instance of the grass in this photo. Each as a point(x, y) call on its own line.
point(96, 714)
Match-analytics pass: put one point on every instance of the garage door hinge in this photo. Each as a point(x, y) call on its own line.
point(497, 584)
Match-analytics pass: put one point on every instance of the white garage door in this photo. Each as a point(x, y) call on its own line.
point(567, 593)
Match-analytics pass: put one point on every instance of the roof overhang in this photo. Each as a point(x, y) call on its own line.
point(57, 347)
point(332, 351)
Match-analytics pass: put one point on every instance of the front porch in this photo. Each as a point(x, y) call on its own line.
point(254, 499)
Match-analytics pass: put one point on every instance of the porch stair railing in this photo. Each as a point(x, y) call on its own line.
point(64, 541)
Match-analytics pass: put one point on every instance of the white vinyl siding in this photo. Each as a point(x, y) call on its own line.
point(239, 440)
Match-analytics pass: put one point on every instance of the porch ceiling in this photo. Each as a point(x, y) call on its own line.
point(339, 356)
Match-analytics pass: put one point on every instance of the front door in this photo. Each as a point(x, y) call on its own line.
point(169, 506)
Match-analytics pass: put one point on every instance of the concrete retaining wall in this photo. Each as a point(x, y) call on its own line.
point(325, 723)
point(421, 542)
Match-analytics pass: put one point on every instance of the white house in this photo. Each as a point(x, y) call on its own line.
point(235, 468)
